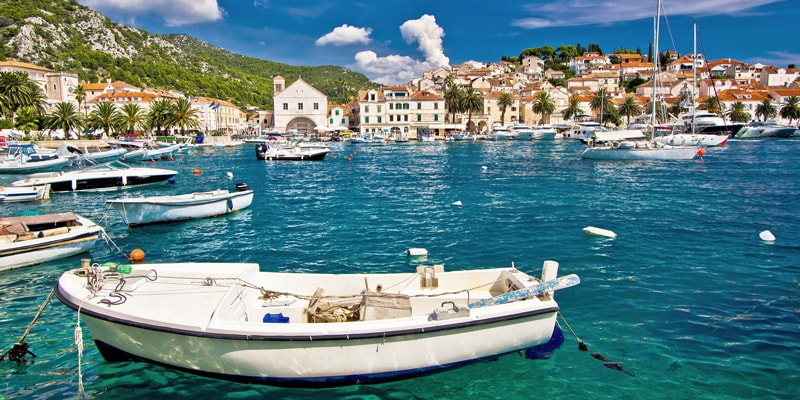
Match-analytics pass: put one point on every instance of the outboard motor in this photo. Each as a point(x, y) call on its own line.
point(261, 148)
point(242, 186)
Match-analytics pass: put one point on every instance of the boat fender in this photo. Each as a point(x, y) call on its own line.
point(416, 252)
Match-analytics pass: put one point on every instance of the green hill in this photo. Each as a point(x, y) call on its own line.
point(66, 36)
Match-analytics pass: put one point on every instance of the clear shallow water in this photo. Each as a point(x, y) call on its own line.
point(687, 297)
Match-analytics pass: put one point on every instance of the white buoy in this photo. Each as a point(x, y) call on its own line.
point(230, 174)
point(484, 167)
point(767, 236)
point(416, 251)
point(591, 230)
point(457, 203)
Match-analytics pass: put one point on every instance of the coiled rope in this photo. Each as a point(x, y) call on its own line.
point(583, 347)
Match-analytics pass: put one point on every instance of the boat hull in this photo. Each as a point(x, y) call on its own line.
point(213, 325)
point(633, 154)
point(11, 194)
point(163, 209)
point(101, 178)
point(30, 167)
point(690, 139)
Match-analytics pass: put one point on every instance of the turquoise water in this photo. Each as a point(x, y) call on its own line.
point(687, 297)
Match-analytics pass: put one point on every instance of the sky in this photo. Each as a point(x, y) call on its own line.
point(392, 42)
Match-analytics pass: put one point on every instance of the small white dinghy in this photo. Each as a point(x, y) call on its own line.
point(594, 231)
point(232, 321)
point(10, 194)
point(138, 211)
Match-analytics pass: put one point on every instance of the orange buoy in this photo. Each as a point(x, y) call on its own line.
point(197, 171)
point(152, 161)
point(701, 152)
point(137, 255)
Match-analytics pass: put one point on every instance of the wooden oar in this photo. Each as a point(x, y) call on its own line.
point(555, 284)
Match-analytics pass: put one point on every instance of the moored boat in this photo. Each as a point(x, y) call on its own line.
point(10, 194)
point(235, 322)
point(138, 211)
point(114, 175)
point(34, 239)
point(274, 151)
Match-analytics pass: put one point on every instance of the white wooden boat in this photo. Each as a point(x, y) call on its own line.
point(115, 175)
point(137, 211)
point(10, 194)
point(35, 239)
point(233, 321)
point(21, 165)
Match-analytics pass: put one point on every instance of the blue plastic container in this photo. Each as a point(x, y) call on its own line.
point(275, 318)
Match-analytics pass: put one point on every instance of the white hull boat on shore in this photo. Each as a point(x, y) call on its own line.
point(232, 321)
point(138, 211)
point(35, 239)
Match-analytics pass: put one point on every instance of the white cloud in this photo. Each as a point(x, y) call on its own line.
point(345, 34)
point(584, 12)
point(173, 12)
point(428, 35)
point(394, 69)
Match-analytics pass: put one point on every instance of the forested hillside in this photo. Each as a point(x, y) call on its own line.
point(66, 36)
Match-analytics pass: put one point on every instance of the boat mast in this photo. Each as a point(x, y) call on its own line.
point(656, 55)
point(694, 80)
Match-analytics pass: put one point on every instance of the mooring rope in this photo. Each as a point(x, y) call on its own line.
point(20, 350)
point(110, 243)
point(583, 347)
point(79, 346)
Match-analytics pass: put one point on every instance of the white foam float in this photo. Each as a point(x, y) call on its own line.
point(416, 252)
point(230, 174)
point(767, 236)
point(484, 167)
point(594, 231)
point(457, 203)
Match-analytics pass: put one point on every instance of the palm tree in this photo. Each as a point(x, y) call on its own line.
point(159, 115)
point(64, 117)
point(765, 109)
point(599, 102)
point(105, 117)
point(15, 92)
point(713, 105)
point(184, 116)
point(472, 101)
point(504, 101)
point(573, 108)
point(80, 96)
point(132, 117)
point(791, 109)
point(630, 108)
point(452, 101)
point(738, 112)
point(543, 104)
point(27, 119)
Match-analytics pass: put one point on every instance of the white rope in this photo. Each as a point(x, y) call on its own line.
point(79, 346)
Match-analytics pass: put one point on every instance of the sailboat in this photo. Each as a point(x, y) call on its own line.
point(628, 149)
point(693, 137)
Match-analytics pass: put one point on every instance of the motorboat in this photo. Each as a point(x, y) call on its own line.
point(93, 157)
point(232, 321)
point(760, 129)
point(11, 194)
point(24, 158)
point(274, 151)
point(544, 132)
point(115, 175)
point(152, 153)
point(584, 131)
point(522, 131)
point(693, 139)
point(34, 239)
point(138, 211)
point(501, 132)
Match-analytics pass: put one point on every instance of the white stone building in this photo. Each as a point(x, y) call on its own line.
point(299, 107)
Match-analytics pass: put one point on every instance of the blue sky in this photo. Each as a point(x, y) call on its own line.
point(393, 41)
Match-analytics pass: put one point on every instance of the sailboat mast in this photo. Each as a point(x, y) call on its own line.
point(656, 55)
point(694, 79)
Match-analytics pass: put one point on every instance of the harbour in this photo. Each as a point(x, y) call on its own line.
point(686, 297)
